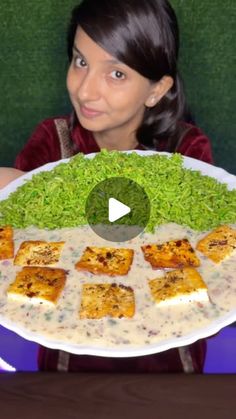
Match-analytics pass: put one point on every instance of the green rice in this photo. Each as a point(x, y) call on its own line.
point(57, 198)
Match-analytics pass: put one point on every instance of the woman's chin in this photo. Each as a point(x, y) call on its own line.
point(91, 124)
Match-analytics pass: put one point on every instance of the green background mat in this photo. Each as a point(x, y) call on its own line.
point(33, 66)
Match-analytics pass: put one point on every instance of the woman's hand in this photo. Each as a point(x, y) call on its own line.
point(8, 174)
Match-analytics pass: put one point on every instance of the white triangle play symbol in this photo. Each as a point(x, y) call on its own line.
point(117, 210)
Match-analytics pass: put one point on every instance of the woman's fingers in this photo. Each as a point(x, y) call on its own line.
point(8, 174)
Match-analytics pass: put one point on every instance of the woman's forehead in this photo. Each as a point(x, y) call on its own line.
point(87, 47)
point(94, 54)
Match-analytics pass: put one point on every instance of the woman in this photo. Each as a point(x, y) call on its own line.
point(123, 84)
point(126, 94)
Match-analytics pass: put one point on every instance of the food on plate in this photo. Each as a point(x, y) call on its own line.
point(150, 327)
point(6, 243)
point(179, 286)
point(6, 249)
point(6, 233)
point(218, 244)
point(38, 284)
point(57, 198)
point(101, 300)
point(106, 260)
point(97, 311)
point(38, 253)
point(171, 254)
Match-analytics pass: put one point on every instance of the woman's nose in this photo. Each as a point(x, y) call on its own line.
point(89, 87)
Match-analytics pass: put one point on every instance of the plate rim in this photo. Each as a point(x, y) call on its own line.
point(82, 349)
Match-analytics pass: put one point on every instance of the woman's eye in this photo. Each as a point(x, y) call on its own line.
point(80, 62)
point(117, 75)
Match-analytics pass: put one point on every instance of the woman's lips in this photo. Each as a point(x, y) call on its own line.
point(89, 113)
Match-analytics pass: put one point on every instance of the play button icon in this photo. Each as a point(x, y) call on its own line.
point(118, 209)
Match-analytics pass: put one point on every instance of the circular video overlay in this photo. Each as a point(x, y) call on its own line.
point(118, 209)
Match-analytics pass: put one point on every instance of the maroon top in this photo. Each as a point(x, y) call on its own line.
point(44, 146)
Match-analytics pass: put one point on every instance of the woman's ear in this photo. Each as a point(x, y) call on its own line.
point(159, 90)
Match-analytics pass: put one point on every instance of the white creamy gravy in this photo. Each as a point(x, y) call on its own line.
point(150, 325)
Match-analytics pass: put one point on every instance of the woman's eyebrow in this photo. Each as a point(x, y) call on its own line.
point(114, 61)
point(77, 50)
point(109, 61)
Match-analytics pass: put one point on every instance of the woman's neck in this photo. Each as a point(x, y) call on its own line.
point(115, 141)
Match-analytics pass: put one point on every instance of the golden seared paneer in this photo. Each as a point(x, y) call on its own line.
point(6, 243)
point(106, 260)
point(38, 284)
point(179, 286)
point(218, 244)
point(171, 254)
point(101, 300)
point(38, 253)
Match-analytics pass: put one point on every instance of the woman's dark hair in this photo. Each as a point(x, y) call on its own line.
point(144, 35)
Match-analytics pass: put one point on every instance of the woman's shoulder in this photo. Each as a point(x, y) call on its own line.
point(193, 142)
point(190, 127)
point(50, 123)
point(43, 146)
point(70, 134)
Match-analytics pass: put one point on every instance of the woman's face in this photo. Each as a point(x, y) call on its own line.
point(106, 94)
